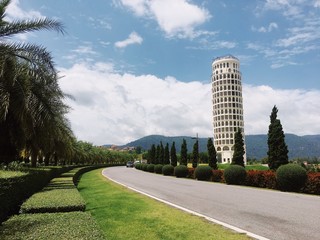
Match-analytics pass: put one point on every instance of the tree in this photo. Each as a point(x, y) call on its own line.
point(237, 158)
point(195, 154)
point(173, 155)
point(277, 148)
point(212, 154)
point(166, 155)
point(161, 153)
point(152, 154)
point(30, 99)
point(158, 155)
point(184, 153)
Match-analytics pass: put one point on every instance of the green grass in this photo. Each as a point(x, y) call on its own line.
point(51, 226)
point(124, 214)
point(10, 174)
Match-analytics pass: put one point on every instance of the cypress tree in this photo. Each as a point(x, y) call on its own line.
point(158, 155)
point(184, 153)
point(277, 148)
point(173, 155)
point(237, 158)
point(152, 154)
point(166, 158)
point(161, 156)
point(195, 154)
point(212, 154)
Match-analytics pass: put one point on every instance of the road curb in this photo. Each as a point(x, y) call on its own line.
point(239, 230)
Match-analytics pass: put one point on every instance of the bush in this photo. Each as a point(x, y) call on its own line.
point(312, 185)
point(158, 168)
point(150, 168)
point(217, 176)
point(261, 179)
point(137, 166)
point(291, 177)
point(17, 187)
point(203, 173)
point(235, 174)
point(72, 225)
point(181, 171)
point(144, 167)
point(167, 170)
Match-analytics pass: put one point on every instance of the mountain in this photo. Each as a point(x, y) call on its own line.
point(256, 145)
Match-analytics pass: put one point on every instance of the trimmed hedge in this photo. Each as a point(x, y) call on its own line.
point(167, 170)
point(261, 179)
point(158, 168)
point(235, 174)
point(291, 177)
point(15, 189)
point(60, 195)
point(312, 184)
point(203, 173)
point(181, 171)
point(150, 168)
point(217, 176)
point(63, 226)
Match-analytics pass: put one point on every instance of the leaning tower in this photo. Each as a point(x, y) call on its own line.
point(227, 105)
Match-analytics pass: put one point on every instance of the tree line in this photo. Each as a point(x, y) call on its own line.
point(33, 123)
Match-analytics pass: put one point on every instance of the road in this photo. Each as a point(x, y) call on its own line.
point(267, 213)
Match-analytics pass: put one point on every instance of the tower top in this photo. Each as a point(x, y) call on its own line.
point(228, 56)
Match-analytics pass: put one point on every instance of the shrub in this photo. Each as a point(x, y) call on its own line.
point(312, 185)
point(217, 176)
point(158, 168)
point(17, 187)
point(72, 225)
point(191, 173)
point(203, 173)
point(144, 167)
point(137, 165)
point(167, 170)
point(291, 177)
point(261, 179)
point(150, 168)
point(235, 174)
point(181, 171)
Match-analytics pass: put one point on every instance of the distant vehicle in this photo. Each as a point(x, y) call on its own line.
point(129, 164)
point(136, 162)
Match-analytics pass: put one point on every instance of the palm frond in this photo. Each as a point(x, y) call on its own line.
point(24, 26)
point(3, 6)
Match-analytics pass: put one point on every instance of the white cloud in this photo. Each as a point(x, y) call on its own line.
point(134, 38)
point(14, 11)
point(271, 26)
point(118, 108)
point(177, 18)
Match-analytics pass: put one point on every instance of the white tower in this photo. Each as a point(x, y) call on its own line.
point(227, 105)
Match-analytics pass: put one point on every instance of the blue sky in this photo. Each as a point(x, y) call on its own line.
point(139, 67)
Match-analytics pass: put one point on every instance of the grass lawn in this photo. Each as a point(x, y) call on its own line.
point(124, 214)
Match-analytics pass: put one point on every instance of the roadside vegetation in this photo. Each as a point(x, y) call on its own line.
point(123, 214)
point(56, 212)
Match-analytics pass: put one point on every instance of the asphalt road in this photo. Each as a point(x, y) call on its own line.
point(267, 213)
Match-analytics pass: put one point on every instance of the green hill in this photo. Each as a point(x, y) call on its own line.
point(256, 145)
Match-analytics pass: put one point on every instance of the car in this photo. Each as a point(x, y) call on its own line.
point(129, 164)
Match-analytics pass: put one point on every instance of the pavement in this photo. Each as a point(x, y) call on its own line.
point(260, 213)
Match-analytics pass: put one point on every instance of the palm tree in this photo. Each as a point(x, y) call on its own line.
point(31, 101)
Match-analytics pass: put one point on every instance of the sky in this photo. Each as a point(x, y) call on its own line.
point(142, 67)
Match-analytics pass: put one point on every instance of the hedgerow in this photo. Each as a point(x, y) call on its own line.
point(158, 168)
point(181, 171)
point(203, 173)
point(167, 170)
point(14, 188)
point(62, 226)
